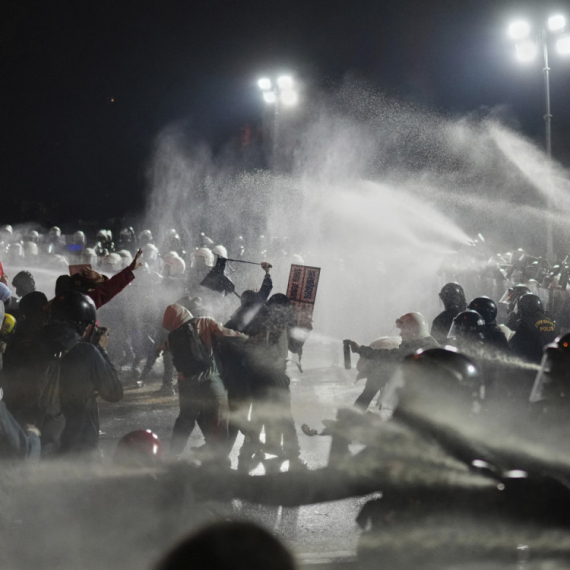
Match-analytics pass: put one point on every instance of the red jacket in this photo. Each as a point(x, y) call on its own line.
point(104, 292)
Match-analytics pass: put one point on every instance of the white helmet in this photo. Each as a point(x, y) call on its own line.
point(220, 251)
point(145, 236)
point(413, 326)
point(90, 256)
point(16, 250)
point(59, 263)
point(126, 257)
point(203, 255)
point(150, 252)
point(79, 237)
point(112, 262)
point(174, 264)
point(7, 229)
point(55, 232)
point(33, 236)
point(30, 249)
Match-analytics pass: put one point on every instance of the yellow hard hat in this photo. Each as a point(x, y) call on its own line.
point(8, 325)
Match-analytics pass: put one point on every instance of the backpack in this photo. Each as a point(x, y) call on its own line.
point(31, 385)
point(48, 404)
point(189, 353)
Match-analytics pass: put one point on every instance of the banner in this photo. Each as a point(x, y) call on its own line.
point(73, 269)
point(302, 292)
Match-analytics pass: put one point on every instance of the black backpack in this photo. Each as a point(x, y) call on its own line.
point(190, 355)
point(32, 387)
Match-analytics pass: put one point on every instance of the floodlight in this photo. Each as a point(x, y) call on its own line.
point(526, 51)
point(289, 97)
point(563, 45)
point(519, 30)
point(269, 97)
point(285, 82)
point(556, 23)
point(264, 84)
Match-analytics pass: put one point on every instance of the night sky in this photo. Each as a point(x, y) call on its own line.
point(87, 86)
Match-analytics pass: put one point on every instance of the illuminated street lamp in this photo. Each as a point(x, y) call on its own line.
point(278, 92)
point(527, 49)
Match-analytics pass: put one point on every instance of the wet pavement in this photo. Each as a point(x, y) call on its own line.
point(317, 533)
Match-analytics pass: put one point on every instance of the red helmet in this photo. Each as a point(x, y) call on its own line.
point(139, 448)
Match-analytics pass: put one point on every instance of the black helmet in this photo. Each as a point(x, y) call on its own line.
point(529, 305)
point(553, 380)
point(428, 376)
point(449, 361)
point(453, 296)
point(74, 308)
point(486, 307)
point(512, 295)
point(467, 325)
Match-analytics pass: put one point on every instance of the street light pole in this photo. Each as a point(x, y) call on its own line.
point(527, 50)
point(277, 92)
point(548, 133)
point(275, 146)
point(548, 115)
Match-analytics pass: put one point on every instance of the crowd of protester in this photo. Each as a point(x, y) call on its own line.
point(219, 371)
point(229, 370)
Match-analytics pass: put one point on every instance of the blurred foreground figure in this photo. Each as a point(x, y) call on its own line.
point(227, 546)
point(453, 299)
point(202, 395)
point(550, 396)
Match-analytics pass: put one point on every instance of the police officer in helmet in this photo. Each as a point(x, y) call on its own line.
point(534, 330)
point(493, 336)
point(453, 299)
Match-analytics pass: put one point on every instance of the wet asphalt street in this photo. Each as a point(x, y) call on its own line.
point(317, 532)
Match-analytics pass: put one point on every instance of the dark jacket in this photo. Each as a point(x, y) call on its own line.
point(85, 372)
point(268, 346)
point(531, 335)
point(495, 339)
point(442, 323)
